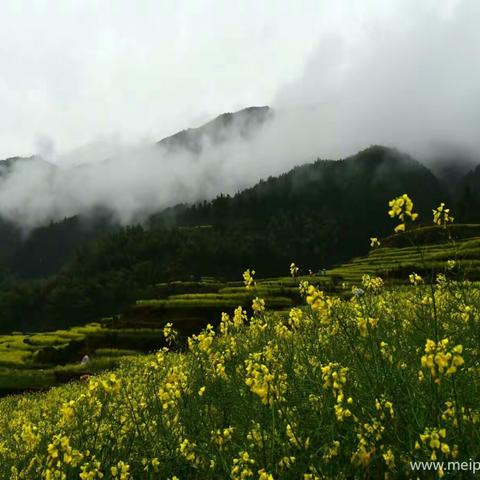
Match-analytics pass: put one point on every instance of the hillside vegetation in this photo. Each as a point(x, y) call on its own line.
point(31, 361)
point(355, 387)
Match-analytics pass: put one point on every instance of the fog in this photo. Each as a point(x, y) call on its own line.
point(406, 76)
point(412, 82)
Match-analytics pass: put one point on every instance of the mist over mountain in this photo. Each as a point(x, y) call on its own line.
point(60, 210)
point(222, 129)
point(406, 78)
point(191, 165)
point(316, 214)
point(451, 165)
point(313, 204)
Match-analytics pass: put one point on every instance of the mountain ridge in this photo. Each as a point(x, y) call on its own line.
point(368, 172)
point(316, 214)
point(224, 127)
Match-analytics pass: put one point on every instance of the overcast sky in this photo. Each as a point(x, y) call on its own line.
point(84, 81)
point(73, 72)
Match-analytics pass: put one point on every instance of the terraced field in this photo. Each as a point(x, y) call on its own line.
point(40, 360)
point(30, 361)
point(193, 311)
point(397, 257)
point(354, 388)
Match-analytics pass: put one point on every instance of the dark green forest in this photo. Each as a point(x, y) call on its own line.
point(317, 215)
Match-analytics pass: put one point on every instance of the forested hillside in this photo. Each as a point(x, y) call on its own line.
point(317, 215)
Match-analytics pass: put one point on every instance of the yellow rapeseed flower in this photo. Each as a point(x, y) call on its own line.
point(402, 208)
point(441, 216)
point(374, 242)
point(248, 278)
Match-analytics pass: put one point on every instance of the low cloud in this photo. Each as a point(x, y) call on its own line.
point(409, 78)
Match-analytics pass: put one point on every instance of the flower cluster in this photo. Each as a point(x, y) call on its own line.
point(295, 317)
point(374, 242)
point(170, 333)
point(221, 437)
point(293, 270)
point(203, 341)
point(372, 284)
point(440, 359)
point(402, 208)
point(433, 438)
point(415, 279)
point(258, 305)
point(242, 467)
point(334, 377)
point(248, 278)
point(321, 304)
point(366, 324)
point(269, 386)
point(441, 216)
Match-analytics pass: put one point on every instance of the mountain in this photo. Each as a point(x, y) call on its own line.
point(44, 250)
point(227, 126)
point(451, 166)
point(473, 179)
point(468, 196)
point(327, 208)
point(10, 233)
point(317, 215)
point(8, 165)
point(47, 249)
